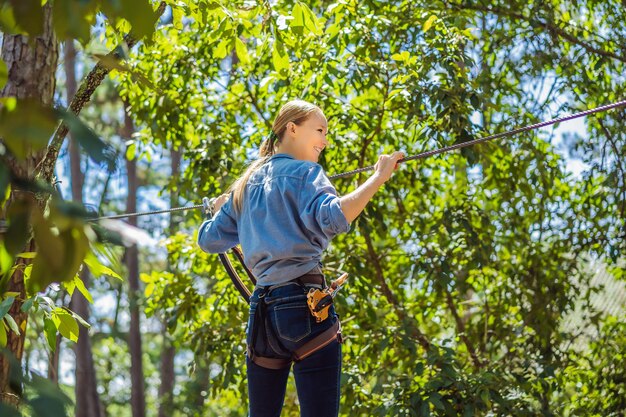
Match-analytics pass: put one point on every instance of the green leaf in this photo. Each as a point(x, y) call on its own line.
point(59, 255)
point(5, 305)
point(27, 127)
point(83, 290)
point(475, 101)
point(18, 232)
point(242, 51)
point(429, 22)
point(141, 17)
point(280, 59)
point(49, 259)
point(65, 324)
point(5, 181)
point(435, 399)
point(73, 19)
point(97, 150)
point(311, 20)
point(71, 210)
point(27, 304)
point(139, 14)
point(98, 269)
point(34, 186)
point(418, 369)
point(28, 15)
point(484, 395)
point(402, 56)
point(8, 25)
point(70, 286)
point(50, 330)
point(113, 63)
point(6, 260)
point(27, 271)
point(4, 74)
point(3, 335)
point(297, 23)
point(50, 401)
point(222, 49)
point(26, 255)
point(267, 80)
point(177, 17)
point(77, 245)
point(80, 320)
point(131, 151)
point(105, 235)
point(12, 324)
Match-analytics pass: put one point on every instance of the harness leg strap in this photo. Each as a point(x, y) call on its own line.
point(319, 342)
point(269, 363)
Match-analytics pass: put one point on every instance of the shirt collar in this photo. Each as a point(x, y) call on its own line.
point(281, 155)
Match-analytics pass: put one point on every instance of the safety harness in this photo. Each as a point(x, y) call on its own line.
point(318, 300)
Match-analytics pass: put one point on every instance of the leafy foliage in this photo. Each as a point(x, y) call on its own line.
point(40, 396)
point(476, 250)
point(463, 268)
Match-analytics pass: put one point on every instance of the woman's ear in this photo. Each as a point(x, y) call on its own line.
point(291, 128)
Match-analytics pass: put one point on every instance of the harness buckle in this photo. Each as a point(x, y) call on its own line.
point(319, 301)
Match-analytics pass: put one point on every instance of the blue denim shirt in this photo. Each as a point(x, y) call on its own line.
point(290, 213)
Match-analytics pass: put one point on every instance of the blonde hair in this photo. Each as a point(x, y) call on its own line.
point(296, 111)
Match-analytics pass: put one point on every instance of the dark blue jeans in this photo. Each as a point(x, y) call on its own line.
point(289, 325)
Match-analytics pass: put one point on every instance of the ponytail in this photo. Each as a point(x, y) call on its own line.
point(239, 186)
point(296, 111)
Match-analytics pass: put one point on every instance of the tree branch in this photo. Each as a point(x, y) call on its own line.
point(255, 102)
point(549, 25)
point(45, 169)
point(376, 130)
point(460, 327)
point(619, 166)
point(390, 296)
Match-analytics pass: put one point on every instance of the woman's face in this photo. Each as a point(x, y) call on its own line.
point(310, 137)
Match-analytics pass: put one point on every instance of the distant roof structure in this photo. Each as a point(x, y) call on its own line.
point(610, 299)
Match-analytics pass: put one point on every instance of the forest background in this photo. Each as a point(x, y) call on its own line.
point(484, 282)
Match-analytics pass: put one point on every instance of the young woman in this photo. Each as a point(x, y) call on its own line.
point(284, 211)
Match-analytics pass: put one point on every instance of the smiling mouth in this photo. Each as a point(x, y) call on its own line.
point(319, 150)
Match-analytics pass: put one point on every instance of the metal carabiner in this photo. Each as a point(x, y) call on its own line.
point(208, 206)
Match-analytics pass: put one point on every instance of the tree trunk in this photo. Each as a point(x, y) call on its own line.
point(53, 362)
point(115, 333)
point(137, 398)
point(166, 389)
point(199, 385)
point(86, 387)
point(31, 74)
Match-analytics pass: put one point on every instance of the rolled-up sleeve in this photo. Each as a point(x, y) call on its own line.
point(320, 207)
point(219, 234)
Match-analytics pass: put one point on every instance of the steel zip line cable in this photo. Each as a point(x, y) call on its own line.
point(410, 158)
point(492, 137)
